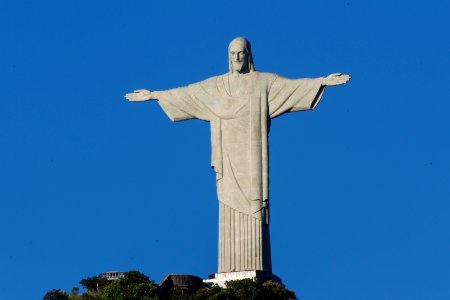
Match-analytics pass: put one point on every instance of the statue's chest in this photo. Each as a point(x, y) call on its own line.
point(238, 96)
point(241, 86)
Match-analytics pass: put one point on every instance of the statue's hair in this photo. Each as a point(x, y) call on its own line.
point(248, 50)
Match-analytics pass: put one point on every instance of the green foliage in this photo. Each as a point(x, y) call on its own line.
point(212, 293)
point(121, 290)
point(276, 291)
point(135, 277)
point(137, 286)
point(144, 291)
point(244, 289)
point(85, 296)
point(94, 283)
point(74, 292)
point(249, 289)
point(134, 285)
point(56, 295)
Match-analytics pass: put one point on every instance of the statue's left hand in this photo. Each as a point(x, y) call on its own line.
point(139, 95)
point(336, 79)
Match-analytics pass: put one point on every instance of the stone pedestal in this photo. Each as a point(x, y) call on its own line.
point(221, 278)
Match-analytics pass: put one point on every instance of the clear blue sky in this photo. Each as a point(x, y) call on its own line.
point(360, 187)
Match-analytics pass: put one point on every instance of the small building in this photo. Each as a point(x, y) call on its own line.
point(183, 284)
point(113, 275)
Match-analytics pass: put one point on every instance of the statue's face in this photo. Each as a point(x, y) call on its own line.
point(238, 57)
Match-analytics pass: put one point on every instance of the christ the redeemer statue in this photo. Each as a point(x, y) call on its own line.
point(239, 106)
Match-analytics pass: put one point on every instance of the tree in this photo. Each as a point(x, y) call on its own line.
point(95, 283)
point(74, 292)
point(212, 293)
point(249, 289)
point(244, 289)
point(135, 277)
point(275, 291)
point(123, 289)
point(56, 294)
point(136, 286)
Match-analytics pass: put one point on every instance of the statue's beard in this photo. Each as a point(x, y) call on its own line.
point(240, 67)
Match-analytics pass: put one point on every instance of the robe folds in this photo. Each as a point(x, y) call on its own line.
point(239, 156)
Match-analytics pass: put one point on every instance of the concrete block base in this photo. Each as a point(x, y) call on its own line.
point(221, 278)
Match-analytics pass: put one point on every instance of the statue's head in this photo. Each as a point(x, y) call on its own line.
point(240, 57)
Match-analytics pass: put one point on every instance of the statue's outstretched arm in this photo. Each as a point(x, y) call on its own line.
point(141, 95)
point(335, 79)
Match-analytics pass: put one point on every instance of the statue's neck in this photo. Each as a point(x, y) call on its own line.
point(238, 84)
point(238, 74)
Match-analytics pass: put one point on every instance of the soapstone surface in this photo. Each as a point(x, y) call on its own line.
point(239, 106)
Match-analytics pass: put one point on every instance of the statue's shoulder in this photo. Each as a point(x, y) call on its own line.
point(208, 85)
point(205, 83)
point(266, 76)
point(211, 80)
point(219, 79)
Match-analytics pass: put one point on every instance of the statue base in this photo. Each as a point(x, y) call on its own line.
point(221, 278)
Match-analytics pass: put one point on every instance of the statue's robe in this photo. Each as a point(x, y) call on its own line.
point(239, 133)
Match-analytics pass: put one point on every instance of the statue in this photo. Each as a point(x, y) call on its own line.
point(239, 106)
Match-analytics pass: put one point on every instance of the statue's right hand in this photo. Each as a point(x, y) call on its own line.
point(139, 95)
